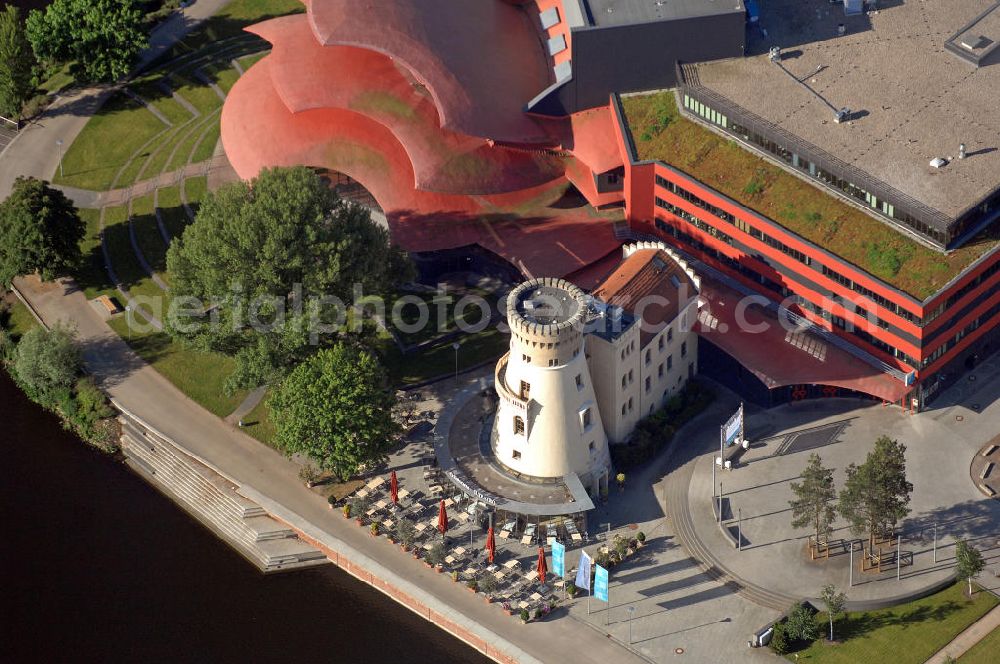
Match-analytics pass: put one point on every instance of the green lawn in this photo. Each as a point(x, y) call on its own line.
point(439, 360)
point(195, 188)
point(187, 140)
point(258, 424)
point(195, 92)
point(174, 217)
point(147, 234)
point(250, 60)
point(437, 306)
point(91, 275)
point(660, 132)
point(906, 634)
point(16, 318)
point(107, 142)
point(231, 20)
point(198, 375)
point(986, 651)
point(206, 143)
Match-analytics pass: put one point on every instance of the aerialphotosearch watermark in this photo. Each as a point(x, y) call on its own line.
point(427, 312)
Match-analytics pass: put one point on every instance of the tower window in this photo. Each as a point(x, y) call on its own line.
point(579, 382)
point(586, 418)
point(525, 390)
point(648, 356)
point(670, 334)
point(660, 343)
point(684, 349)
point(517, 455)
point(647, 383)
point(518, 425)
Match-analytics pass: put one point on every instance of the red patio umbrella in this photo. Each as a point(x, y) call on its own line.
point(491, 545)
point(542, 567)
point(394, 487)
point(443, 519)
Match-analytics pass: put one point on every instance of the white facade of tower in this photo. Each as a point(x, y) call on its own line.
point(548, 424)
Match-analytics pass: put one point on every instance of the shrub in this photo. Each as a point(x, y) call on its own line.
point(571, 589)
point(472, 584)
point(405, 531)
point(524, 615)
point(801, 624)
point(374, 529)
point(488, 584)
point(347, 510)
point(620, 545)
point(436, 554)
point(641, 537)
point(46, 362)
point(538, 613)
point(778, 642)
point(308, 474)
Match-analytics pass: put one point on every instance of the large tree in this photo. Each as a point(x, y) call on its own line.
point(17, 63)
point(336, 408)
point(47, 363)
point(815, 496)
point(102, 38)
point(876, 495)
point(40, 231)
point(969, 562)
point(262, 255)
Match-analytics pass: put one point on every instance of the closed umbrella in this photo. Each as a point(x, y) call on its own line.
point(394, 487)
point(542, 567)
point(491, 545)
point(443, 519)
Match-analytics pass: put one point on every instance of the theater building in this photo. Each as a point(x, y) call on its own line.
point(860, 198)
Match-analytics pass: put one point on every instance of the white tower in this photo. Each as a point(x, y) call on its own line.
point(548, 424)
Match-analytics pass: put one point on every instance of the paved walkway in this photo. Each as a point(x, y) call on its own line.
point(944, 502)
point(35, 152)
point(972, 635)
point(140, 389)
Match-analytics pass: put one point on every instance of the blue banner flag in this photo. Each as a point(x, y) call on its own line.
point(559, 559)
point(583, 572)
point(600, 583)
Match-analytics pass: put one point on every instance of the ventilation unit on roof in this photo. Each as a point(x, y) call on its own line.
point(938, 162)
point(843, 115)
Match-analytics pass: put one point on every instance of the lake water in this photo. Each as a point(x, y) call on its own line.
point(96, 565)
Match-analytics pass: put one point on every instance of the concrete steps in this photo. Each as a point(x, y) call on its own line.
point(215, 502)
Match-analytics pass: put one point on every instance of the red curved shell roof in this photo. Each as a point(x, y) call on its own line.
point(311, 76)
point(433, 127)
point(481, 60)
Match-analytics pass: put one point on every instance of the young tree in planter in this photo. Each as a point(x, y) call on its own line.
point(876, 495)
point(17, 62)
point(970, 562)
point(834, 602)
point(335, 408)
point(813, 504)
point(40, 231)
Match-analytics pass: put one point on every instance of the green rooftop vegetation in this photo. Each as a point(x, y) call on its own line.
point(661, 133)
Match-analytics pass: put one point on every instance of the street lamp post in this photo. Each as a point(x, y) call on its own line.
point(59, 145)
point(128, 319)
point(631, 610)
point(456, 346)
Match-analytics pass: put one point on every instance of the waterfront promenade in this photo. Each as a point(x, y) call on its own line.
point(274, 480)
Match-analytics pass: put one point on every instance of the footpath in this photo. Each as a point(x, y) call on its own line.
point(36, 150)
point(273, 481)
point(972, 635)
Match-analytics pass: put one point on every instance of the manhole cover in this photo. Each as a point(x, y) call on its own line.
point(678, 651)
point(959, 418)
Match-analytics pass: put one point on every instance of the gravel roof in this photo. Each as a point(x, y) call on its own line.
point(911, 99)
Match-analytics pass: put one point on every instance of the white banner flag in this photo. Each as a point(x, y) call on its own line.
point(583, 572)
